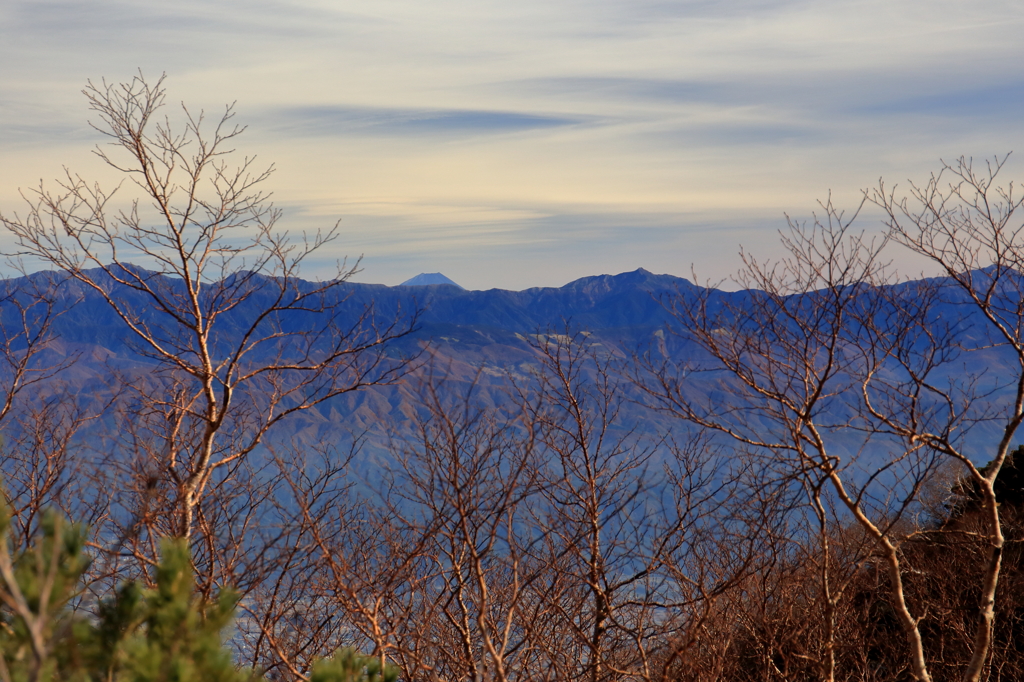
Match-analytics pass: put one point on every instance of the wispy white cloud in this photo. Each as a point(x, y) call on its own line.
point(325, 121)
point(571, 135)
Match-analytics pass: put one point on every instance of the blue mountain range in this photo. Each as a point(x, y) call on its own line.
point(472, 338)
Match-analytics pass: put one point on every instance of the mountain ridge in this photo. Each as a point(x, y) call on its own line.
point(476, 340)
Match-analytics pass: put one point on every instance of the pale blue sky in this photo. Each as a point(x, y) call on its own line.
point(531, 143)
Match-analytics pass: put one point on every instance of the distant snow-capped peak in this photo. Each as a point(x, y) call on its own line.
point(427, 279)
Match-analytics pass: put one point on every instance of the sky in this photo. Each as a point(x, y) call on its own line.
point(530, 143)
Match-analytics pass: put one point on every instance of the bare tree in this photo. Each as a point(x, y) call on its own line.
point(596, 490)
point(784, 353)
point(971, 228)
point(467, 484)
point(29, 306)
point(213, 299)
point(527, 539)
point(40, 467)
point(431, 568)
point(863, 383)
point(624, 514)
point(37, 422)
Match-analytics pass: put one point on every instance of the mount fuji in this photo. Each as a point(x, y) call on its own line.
point(427, 279)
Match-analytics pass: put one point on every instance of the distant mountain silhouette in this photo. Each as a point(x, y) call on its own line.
point(427, 279)
point(475, 338)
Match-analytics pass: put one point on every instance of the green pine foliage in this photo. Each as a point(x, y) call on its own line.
point(36, 587)
point(182, 637)
point(164, 634)
point(348, 665)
